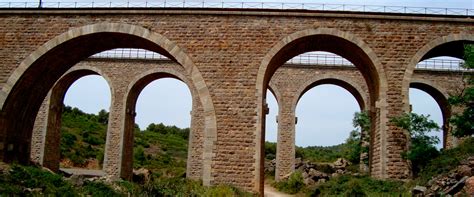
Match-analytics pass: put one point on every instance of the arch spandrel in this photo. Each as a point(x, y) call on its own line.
point(92, 38)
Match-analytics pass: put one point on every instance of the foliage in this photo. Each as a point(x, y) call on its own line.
point(19, 178)
point(361, 121)
point(82, 135)
point(446, 161)
point(162, 149)
point(293, 185)
point(97, 188)
point(159, 148)
point(422, 148)
point(346, 185)
point(353, 148)
point(270, 150)
point(30, 180)
point(464, 126)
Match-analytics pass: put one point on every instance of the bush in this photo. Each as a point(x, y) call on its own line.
point(293, 185)
point(98, 189)
point(20, 178)
point(446, 160)
point(346, 185)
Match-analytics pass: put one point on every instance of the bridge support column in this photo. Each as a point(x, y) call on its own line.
point(45, 146)
point(285, 156)
point(195, 142)
point(118, 154)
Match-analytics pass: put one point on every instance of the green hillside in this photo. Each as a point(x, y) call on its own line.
point(160, 148)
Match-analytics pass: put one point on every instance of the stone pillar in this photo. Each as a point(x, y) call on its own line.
point(364, 154)
point(116, 163)
point(39, 133)
point(195, 141)
point(52, 139)
point(449, 140)
point(285, 156)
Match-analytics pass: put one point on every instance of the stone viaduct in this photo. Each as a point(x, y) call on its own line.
point(228, 58)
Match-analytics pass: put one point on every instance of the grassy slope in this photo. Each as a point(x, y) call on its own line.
point(160, 148)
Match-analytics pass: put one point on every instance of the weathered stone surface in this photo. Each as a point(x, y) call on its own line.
point(230, 57)
point(469, 187)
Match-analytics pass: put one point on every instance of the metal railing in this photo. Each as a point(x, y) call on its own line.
point(244, 5)
point(129, 53)
point(319, 59)
point(441, 64)
point(303, 59)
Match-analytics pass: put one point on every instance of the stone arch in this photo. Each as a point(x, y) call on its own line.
point(275, 91)
point(49, 126)
point(133, 91)
point(450, 45)
point(441, 97)
point(351, 86)
point(355, 50)
point(84, 41)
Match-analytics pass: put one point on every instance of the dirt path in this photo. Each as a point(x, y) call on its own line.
point(269, 191)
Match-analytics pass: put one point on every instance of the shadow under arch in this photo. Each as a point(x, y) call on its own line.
point(441, 98)
point(341, 43)
point(50, 152)
point(133, 91)
point(451, 45)
point(18, 100)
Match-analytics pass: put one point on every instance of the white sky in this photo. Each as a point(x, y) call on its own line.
point(324, 113)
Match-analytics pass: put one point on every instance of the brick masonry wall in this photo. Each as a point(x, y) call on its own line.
point(120, 73)
point(227, 48)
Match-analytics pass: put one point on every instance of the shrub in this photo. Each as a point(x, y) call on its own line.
point(293, 185)
point(19, 178)
point(98, 189)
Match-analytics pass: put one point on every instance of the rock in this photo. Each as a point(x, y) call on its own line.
point(285, 177)
point(33, 190)
point(317, 175)
point(469, 186)
point(418, 191)
point(76, 180)
point(464, 170)
point(298, 163)
point(305, 175)
point(308, 181)
point(456, 187)
point(141, 175)
point(341, 163)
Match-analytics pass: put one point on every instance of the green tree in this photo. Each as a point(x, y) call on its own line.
point(422, 148)
point(355, 142)
point(103, 116)
point(464, 126)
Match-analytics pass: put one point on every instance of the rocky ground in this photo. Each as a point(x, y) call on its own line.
point(457, 182)
point(314, 173)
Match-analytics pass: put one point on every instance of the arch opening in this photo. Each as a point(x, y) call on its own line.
point(333, 41)
point(426, 100)
point(58, 137)
point(18, 101)
point(160, 143)
point(325, 108)
point(443, 53)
